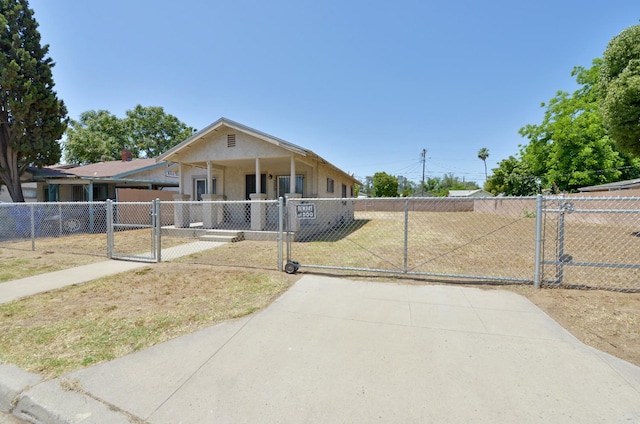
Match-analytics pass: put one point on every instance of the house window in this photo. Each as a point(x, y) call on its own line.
point(77, 193)
point(284, 187)
point(200, 187)
point(329, 185)
point(231, 140)
point(100, 192)
point(344, 190)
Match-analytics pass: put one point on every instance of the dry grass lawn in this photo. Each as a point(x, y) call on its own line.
point(78, 326)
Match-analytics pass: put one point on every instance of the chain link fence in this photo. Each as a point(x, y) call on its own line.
point(592, 242)
point(551, 241)
point(69, 227)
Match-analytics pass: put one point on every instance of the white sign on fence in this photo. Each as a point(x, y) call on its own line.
point(306, 211)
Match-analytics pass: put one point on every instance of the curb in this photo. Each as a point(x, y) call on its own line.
point(28, 398)
point(14, 381)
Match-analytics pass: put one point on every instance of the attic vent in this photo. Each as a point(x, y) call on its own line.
point(231, 140)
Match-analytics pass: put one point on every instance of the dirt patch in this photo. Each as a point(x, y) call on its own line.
point(608, 321)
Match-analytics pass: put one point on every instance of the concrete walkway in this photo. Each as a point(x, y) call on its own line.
point(340, 351)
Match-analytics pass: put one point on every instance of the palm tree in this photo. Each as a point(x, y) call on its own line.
point(484, 154)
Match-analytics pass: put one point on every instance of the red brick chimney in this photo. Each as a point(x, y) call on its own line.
point(126, 155)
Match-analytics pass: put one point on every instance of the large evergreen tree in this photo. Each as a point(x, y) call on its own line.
point(32, 118)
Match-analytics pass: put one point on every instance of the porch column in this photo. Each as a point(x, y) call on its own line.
point(208, 183)
point(292, 178)
point(258, 179)
point(180, 182)
point(212, 212)
point(258, 211)
point(181, 218)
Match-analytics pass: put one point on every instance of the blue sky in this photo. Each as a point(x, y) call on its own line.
point(365, 84)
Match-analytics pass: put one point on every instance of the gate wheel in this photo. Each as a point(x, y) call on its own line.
point(291, 267)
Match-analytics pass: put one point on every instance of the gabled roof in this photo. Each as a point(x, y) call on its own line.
point(224, 122)
point(171, 154)
point(619, 185)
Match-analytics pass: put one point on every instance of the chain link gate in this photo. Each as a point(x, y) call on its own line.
point(140, 219)
point(448, 238)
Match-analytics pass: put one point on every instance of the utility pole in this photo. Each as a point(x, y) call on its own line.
point(424, 160)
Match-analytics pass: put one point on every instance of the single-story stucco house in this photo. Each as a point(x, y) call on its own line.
point(231, 161)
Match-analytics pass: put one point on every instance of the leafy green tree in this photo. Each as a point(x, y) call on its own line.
point(32, 118)
point(483, 154)
point(145, 131)
point(512, 177)
point(571, 147)
point(95, 136)
point(153, 131)
point(620, 89)
point(384, 185)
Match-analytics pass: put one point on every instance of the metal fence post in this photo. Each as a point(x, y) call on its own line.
point(158, 229)
point(280, 231)
point(406, 234)
point(560, 240)
point(110, 235)
point(33, 227)
point(538, 259)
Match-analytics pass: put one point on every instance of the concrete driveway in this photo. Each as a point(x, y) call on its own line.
point(340, 351)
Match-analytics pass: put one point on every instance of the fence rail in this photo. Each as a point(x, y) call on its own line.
point(554, 241)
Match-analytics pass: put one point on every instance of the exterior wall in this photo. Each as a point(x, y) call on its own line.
point(215, 146)
point(231, 181)
point(422, 204)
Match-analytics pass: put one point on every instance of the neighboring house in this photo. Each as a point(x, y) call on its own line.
point(469, 193)
point(617, 186)
point(101, 181)
point(228, 160)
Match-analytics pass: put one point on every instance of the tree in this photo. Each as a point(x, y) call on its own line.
point(95, 136)
point(483, 154)
point(512, 177)
point(620, 89)
point(145, 131)
point(153, 132)
point(32, 118)
point(384, 185)
point(571, 147)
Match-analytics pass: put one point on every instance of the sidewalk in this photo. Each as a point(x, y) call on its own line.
point(335, 350)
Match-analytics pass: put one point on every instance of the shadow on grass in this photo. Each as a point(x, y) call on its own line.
point(335, 233)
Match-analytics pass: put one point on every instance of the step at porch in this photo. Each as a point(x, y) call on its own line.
point(224, 236)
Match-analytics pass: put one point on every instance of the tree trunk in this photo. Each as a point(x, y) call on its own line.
point(9, 169)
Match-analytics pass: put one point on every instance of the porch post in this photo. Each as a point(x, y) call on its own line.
point(258, 179)
point(180, 184)
point(208, 183)
point(212, 210)
point(292, 178)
